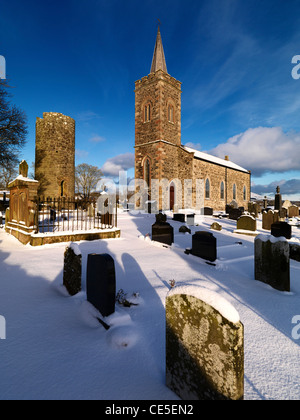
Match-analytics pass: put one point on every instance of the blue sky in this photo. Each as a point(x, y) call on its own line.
point(233, 57)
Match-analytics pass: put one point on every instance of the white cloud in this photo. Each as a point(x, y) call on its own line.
point(287, 187)
point(81, 154)
point(114, 165)
point(263, 150)
point(196, 146)
point(97, 139)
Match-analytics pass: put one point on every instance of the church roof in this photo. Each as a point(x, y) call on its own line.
point(214, 159)
point(159, 60)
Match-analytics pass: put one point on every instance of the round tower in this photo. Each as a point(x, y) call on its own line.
point(55, 155)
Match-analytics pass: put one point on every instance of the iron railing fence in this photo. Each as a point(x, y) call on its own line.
point(72, 214)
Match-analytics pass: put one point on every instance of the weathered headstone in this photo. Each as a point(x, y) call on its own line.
point(268, 218)
point(279, 229)
point(293, 211)
point(272, 261)
point(204, 346)
point(101, 283)
point(204, 245)
point(72, 269)
point(216, 226)
point(162, 231)
point(247, 223)
point(179, 217)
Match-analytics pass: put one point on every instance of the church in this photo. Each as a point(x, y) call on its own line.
point(173, 175)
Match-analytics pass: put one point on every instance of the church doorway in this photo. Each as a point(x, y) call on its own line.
point(172, 196)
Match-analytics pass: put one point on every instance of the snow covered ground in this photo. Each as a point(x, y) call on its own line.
point(56, 349)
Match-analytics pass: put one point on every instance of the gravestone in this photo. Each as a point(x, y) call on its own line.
point(234, 213)
point(162, 231)
point(295, 252)
point(272, 261)
point(101, 283)
point(247, 223)
point(190, 219)
point(72, 269)
point(268, 218)
point(279, 229)
point(184, 229)
point(160, 217)
point(234, 204)
point(208, 211)
point(204, 245)
point(278, 200)
point(293, 211)
point(204, 346)
point(179, 217)
point(216, 226)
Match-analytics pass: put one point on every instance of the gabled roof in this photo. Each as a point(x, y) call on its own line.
point(214, 159)
point(159, 61)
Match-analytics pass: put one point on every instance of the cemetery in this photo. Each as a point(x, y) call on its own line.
point(173, 309)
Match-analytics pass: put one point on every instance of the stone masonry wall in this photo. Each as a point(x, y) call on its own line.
point(159, 90)
point(55, 155)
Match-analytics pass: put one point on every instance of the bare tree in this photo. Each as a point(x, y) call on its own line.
point(87, 178)
point(7, 174)
point(13, 128)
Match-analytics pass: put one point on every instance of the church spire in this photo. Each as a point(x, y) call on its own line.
point(159, 61)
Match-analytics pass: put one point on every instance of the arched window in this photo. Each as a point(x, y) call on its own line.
point(62, 189)
point(207, 189)
point(171, 113)
point(245, 193)
point(234, 192)
point(147, 171)
point(222, 191)
point(147, 113)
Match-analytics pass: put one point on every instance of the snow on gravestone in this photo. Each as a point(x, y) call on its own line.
point(204, 345)
point(72, 269)
point(272, 261)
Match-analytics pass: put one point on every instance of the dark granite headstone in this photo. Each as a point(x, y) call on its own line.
point(101, 283)
point(279, 229)
point(204, 245)
point(163, 233)
point(179, 217)
point(208, 211)
point(278, 200)
point(235, 214)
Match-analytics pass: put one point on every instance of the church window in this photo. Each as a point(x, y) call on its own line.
point(234, 192)
point(245, 193)
point(207, 189)
point(147, 172)
point(222, 191)
point(171, 113)
point(147, 113)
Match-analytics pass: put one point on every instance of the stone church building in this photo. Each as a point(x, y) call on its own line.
point(176, 176)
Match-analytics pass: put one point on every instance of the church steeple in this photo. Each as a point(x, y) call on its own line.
point(159, 61)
